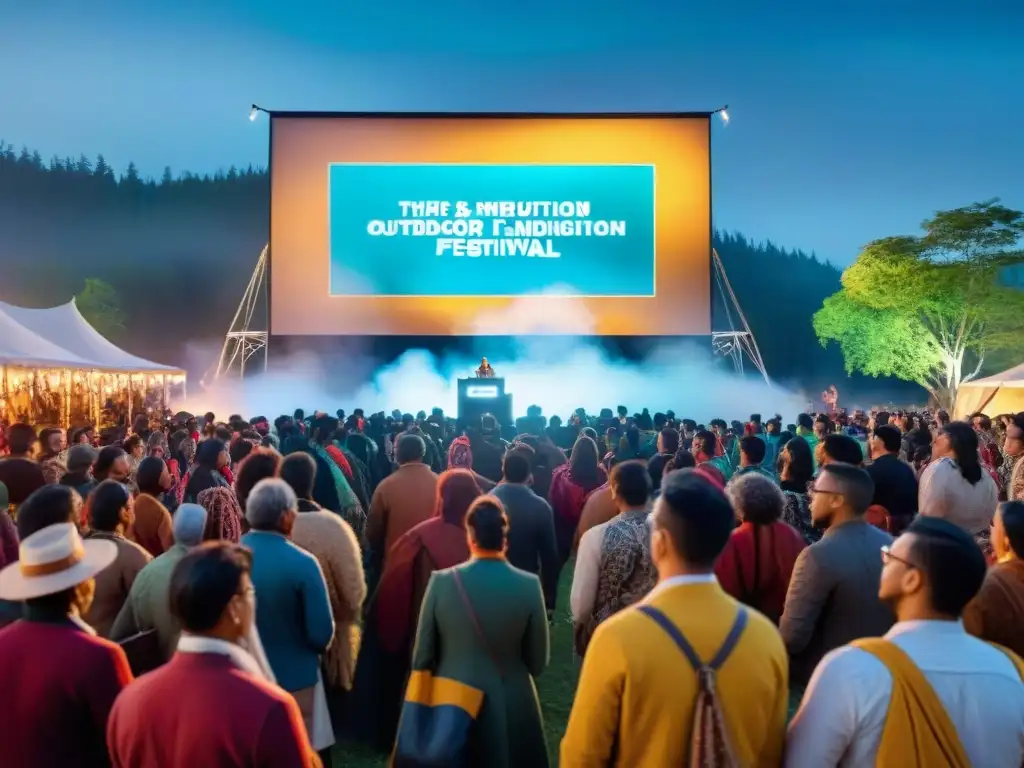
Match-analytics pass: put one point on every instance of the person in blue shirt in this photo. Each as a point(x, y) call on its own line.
point(293, 614)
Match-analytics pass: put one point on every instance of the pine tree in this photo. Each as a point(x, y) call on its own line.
point(84, 165)
point(131, 176)
point(168, 178)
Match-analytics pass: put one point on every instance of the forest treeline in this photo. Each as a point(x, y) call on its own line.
point(184, 245)
point(94, 183)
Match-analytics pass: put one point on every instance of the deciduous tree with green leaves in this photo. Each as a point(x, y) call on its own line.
point(101, 306)
point(929, 308)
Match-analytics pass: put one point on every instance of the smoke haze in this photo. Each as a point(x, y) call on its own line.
point(559, 374)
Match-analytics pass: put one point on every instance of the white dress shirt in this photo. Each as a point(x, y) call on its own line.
point(843, 712)
point(675, 581)
point(583, 594)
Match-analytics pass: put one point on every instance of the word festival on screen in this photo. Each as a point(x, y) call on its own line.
point(496, 228)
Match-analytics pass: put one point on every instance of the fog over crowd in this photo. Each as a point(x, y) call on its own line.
point(558, 373)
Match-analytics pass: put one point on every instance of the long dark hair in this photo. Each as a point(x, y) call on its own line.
point(801, 466)
point(208, 452)
point(174, 448)
point(964, 442)
point(583, 462)
point(705, 442)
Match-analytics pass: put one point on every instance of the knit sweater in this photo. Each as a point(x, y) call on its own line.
point(331, 540)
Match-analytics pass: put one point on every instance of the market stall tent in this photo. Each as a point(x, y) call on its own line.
point(1001, 393)
point(64, 327)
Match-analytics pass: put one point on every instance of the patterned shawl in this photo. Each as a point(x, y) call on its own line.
point(460, 455)
point(626, 573)
point(223, 514)
point(351, 510)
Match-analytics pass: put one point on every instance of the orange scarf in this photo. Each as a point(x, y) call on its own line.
point(918, 731)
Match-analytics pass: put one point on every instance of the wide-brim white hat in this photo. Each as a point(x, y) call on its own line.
point(53, 560)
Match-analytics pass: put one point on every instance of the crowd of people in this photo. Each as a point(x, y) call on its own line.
point(844, 590)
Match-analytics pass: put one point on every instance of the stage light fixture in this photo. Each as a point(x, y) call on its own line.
point(723, 112)
point(253, 113)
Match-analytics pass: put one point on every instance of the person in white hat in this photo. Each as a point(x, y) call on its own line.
point(59, 679)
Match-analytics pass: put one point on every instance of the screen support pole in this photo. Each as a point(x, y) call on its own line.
point(734, 343)
point(244, 340)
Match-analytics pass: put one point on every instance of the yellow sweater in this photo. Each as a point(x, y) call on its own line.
point(636, 695)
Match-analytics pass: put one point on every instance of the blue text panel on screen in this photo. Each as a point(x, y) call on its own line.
point(491, 230)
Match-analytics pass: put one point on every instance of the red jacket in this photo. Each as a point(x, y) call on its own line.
point(201, 710)
point(59, 684)
point(567, 496)
point(759, 577)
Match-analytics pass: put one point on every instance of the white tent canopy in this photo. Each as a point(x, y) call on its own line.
point(1011, 378)
point(22, 347)
point(993, 395)
point(65, 330)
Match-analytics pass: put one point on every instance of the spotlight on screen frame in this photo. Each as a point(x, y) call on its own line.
point(253, 113)
point(723, 113)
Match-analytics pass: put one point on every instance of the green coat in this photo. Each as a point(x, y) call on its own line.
point(722, 464)
point(147, 604)
point(510, 607)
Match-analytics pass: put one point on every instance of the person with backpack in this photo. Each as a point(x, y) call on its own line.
point(687, 676)
point(928, 693)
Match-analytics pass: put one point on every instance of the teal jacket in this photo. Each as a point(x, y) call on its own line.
point(771, 451)
point(756, 470)
point(510, 609)
point(293, 611)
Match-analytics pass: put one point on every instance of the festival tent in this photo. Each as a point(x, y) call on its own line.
point(55, 368)
point(1001, 393)
point(64, 327)
point(23, 348)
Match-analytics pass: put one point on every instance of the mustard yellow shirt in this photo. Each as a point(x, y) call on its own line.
point(636, 695)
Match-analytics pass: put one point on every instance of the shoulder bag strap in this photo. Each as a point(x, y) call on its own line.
point(730, 640)
point(476, 622)
point(673, 631)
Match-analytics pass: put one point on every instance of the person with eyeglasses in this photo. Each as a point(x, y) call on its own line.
point(928, 693)
point(831, 598)
point(216, 701)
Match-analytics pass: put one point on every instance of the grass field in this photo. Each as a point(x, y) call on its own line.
point(556, 686)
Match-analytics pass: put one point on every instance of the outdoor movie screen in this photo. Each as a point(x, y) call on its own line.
point(411, 224)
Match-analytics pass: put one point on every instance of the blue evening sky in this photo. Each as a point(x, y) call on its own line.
point(851, 121)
